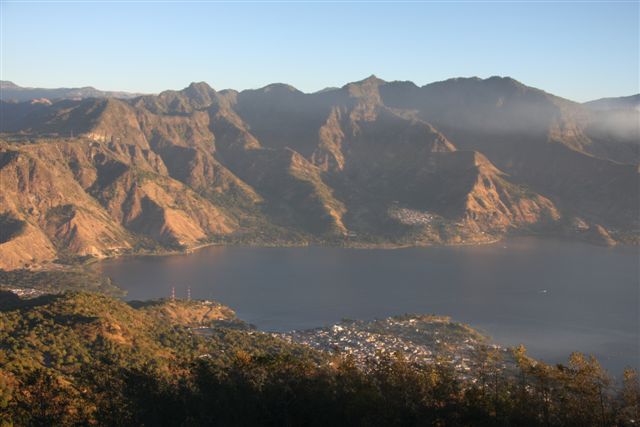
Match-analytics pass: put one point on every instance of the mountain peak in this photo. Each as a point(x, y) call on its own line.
point(372, 79)
point(279, 87)
point(366, 89)
point(200, 93)
point(199, 87)
point(506, 80)
point(475, 88)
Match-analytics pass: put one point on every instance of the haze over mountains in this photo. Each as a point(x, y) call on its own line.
point(372, 163)
point(631, 102)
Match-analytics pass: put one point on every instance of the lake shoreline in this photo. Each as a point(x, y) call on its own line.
point(192, 249)
point(530, 290)
point(91, 261)
point(359, 246)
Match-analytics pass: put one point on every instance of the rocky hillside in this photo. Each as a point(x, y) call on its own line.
point(373, 162)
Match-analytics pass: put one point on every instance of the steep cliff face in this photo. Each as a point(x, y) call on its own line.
point(295, 190)
point(60, 216)
point(573, 155)
point(465, 160)
point(163, 208)
point(30, 246)
point(381, 158)
point(95, 198)
point(187, 146)
point(494, 200)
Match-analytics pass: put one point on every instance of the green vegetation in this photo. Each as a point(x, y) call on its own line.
point(67, 330)
point(87, 359)
point(52, 281)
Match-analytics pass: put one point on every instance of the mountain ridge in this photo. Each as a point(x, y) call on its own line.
point(6, 84)
point(10, 91)
point(462, 161)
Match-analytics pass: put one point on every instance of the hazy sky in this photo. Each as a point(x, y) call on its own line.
point(579, 50)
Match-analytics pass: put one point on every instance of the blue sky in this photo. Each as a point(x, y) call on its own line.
point(579, 50)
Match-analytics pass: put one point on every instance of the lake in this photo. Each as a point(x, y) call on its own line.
point(553, 296)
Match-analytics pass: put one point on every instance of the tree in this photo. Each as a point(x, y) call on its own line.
point(6, 399)
point(629, 399)
point(44, 401)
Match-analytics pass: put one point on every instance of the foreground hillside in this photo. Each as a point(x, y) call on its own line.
point(86, 359)
point(65, 331)
point(372, 163)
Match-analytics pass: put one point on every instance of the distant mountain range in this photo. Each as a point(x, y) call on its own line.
point(621, 103)
point(372, 163)
point(12, 92)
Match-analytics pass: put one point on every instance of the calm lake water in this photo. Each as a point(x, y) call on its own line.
point(553, 296)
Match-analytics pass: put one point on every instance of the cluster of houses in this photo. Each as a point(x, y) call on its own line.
point(411, 216)
point(23, 292)
point(420, 340)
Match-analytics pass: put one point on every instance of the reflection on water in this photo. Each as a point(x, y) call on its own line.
point(553, 296)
